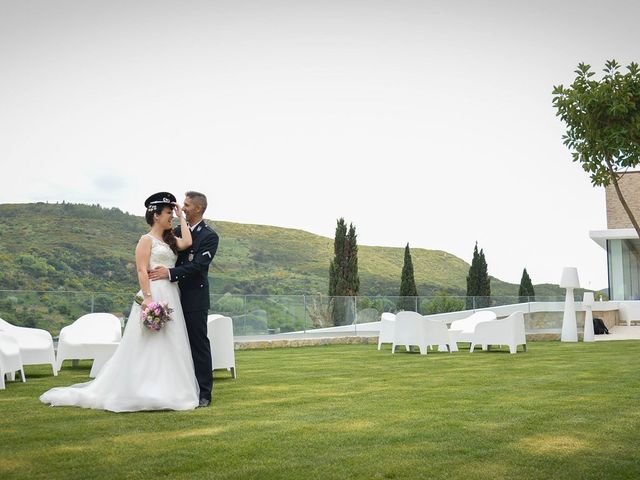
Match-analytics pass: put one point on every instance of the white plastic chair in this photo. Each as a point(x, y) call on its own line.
point(36, 345)
point(507, 331)
point(413, 329)
point(220, 334)
point(10, 360)
point(437, 333)
point(466, 326)
point(387, 328)
point(408, 331)
point(94, 336)
point(462, 330)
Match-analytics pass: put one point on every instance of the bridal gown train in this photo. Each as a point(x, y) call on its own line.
point(149, 370)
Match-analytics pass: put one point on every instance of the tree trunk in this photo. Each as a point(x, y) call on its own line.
point(614, 179)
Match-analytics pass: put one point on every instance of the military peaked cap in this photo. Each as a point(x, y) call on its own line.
point(160, 198)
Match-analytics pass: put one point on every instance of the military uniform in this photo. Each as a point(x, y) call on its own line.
point(191, 273)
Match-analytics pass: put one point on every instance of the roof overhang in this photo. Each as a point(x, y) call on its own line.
point(601, 236)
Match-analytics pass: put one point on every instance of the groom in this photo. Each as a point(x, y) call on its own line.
point(190, 272)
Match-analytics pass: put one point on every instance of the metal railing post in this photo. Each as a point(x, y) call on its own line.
point(355, 316)
point(304, 313)
point(244, 317)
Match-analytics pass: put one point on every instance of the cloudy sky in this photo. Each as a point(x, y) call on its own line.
point(428, 122)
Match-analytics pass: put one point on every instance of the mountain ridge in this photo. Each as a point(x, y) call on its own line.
point(53, 246)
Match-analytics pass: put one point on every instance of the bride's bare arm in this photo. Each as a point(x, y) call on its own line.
point(185, 240)
point(143, 253)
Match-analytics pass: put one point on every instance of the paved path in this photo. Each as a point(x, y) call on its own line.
point(620, 332)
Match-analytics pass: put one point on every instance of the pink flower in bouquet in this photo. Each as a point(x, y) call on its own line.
point(156, 315)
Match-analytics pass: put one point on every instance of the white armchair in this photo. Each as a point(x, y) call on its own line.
point(94, 336)
point(387, 328)
point(220, 334)
point(462, 330)
point(507, 331)
point(465, 327)
point(10, 360)
point(36, 345)
point(437, 333)
point(411, 328)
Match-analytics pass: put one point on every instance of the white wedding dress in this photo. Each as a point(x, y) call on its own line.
point(149, 370)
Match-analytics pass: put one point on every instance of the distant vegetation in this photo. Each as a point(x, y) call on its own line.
point(407, 283)
point(89, 248)
point(478, 281)
point(51, 248)
point(344, 280)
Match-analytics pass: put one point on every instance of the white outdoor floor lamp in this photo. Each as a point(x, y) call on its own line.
point(569, 281)
point(587, 302)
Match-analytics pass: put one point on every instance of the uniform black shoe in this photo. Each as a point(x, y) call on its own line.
point(204, 402)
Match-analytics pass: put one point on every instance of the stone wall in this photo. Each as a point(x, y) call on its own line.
point(304, 342)
point(630, 187)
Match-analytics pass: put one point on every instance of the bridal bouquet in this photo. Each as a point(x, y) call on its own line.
point(155, 315)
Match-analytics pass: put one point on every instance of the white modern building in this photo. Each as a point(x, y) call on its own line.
point(621, 241)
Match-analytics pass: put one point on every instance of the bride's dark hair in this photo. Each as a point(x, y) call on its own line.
point(167, 236)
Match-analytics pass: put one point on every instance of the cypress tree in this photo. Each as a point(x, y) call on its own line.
point(478, 281)
point(472, 278)
point(344, 280)
point(352, 279)
point(407, 284)
point(526, 292)
point(484, 283)
point(335, 265)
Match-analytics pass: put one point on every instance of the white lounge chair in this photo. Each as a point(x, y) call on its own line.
point(437, 333)
point(413, 329)
point(94, 336)
point(387, 328)
point(466, 326)
point(507, 331)
point(10, 360)
point(462, 330)
point(36, 345)
point(220, 334)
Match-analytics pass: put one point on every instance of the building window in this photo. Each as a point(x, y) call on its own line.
point(624, 269)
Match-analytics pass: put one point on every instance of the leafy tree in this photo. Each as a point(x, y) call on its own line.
point(344, 280)
point(441, 303)
point(603, 123)
point(408, 290)
point(526, 292)
point(478, 281)
point(230, 305)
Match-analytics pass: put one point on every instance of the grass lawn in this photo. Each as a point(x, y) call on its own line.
point(348, 411)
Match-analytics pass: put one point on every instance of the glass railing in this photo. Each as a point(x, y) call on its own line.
point(275, 314)
point(52, 310)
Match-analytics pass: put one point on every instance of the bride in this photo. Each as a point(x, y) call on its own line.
point(150, 370)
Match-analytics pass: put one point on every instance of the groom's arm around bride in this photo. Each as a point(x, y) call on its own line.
point(191, 273)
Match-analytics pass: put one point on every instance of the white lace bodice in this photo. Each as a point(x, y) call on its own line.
point(161, 254)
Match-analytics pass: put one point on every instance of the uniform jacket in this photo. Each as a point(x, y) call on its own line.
point(192, 267)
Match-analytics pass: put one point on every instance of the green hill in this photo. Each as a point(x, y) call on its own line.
point(55, 257)
point(74, 247)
